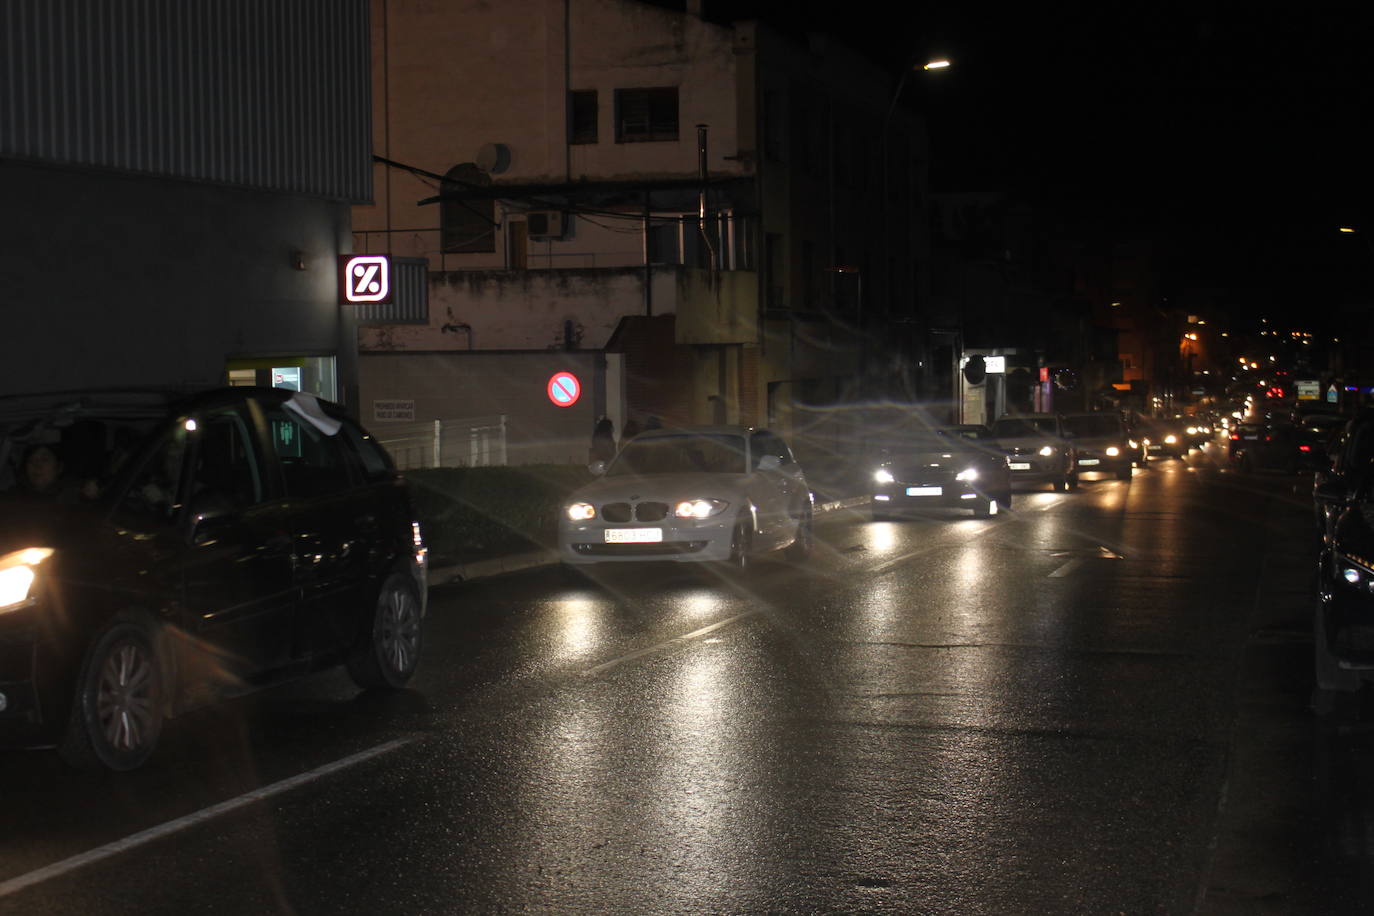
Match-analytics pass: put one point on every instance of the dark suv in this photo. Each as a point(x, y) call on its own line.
point(156, 552)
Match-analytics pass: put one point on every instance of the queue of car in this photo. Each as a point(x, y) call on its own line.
point(159, 552)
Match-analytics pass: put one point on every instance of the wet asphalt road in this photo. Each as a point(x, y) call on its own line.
point(1094, 704)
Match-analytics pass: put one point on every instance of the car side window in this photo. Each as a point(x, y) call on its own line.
point(375, 462)
point(765, 443)
point(312, 463)
point(153, 496)
point(226, 472)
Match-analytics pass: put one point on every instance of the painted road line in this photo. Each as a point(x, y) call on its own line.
point(47, 872)
point(1067, 568)
point(675, 641)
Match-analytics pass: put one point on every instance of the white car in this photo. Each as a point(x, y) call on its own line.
point(698, 494)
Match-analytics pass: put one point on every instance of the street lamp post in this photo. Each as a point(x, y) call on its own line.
point(887, 273)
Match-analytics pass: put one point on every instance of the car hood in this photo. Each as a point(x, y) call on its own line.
point(1098, 442)
point(667, 488)
point(942, 460)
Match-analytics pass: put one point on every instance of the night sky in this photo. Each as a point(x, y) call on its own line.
point(1234, 134)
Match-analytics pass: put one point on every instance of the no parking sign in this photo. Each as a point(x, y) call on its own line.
point(564, 389)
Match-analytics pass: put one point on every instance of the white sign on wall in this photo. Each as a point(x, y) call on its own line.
point(393, 410)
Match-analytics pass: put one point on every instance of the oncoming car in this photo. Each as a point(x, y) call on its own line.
point(1036, 450)
point(1102, 443)
point(951, 468)
point(159, 552)
point(696, 494)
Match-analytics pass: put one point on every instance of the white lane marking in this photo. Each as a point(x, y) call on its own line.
point(938, 545)
point(37, 876)
point(1067, 568)
point(640, 653)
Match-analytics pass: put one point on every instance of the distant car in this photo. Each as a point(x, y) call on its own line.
point(724, 494)
point(1036, 449)
point(1101, 443)
point(198, 547)
point(957, 467)
point(1276, 446)
point(1164, 438)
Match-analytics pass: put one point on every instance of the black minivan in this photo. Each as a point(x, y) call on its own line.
point(159, 551)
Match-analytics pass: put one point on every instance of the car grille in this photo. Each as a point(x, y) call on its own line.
point(668, 548)
point(643, 512)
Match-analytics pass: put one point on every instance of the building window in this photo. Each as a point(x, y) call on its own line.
point(582, 116)
point(466, 225)
point(643, 115)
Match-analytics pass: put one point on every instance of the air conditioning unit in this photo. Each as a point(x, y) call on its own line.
point(546, 224)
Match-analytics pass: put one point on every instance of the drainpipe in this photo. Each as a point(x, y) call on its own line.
point(701, 208)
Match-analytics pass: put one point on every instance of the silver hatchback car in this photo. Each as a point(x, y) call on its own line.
point(697, 494)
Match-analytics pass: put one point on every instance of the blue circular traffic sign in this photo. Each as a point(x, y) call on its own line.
point(564, 389)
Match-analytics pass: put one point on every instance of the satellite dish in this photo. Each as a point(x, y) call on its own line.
point(493, 158)
point(975, 370)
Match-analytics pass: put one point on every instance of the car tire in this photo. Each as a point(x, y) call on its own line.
point(879, 515)
point(388, 649)
point(1004, 500)
point(1123, 473)
point(985, 508)
point(119, 700)
point(800, 549)
point(1072, 481)
point(740, 544)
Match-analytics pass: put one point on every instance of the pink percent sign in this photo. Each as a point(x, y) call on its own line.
point(564, 389)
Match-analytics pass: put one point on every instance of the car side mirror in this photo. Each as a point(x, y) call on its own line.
point(597, 467)
point(210, 511)
point(770, 463)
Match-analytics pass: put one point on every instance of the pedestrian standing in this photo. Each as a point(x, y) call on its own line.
point(603, 440)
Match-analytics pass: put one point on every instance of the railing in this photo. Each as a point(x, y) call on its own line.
point(466, 442)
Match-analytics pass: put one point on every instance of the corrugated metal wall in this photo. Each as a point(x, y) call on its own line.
point(271, 94)
point(410, 296)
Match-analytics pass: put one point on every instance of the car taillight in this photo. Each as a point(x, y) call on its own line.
point(1304, 448)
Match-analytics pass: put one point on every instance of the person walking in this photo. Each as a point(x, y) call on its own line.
point(603, 440)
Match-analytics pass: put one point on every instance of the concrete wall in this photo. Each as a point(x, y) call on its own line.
point(109, 280)
point(481, 384)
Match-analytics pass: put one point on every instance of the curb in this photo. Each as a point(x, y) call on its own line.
point(498, 566)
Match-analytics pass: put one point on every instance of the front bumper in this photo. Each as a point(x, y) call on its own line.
point(1036, 468)
point(1349, 626)
point(942, 494)
point(1099, 461)
point(678, 541)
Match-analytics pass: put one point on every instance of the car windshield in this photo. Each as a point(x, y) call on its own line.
point(1093, 425)
point(1014, 427)
point(685, 454)
point(933, 440)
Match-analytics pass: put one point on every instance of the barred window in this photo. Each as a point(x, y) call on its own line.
point(643, 115)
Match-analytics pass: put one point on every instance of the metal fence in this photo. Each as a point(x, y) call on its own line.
point(465, 442)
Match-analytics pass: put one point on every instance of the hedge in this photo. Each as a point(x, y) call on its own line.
point(470, 513)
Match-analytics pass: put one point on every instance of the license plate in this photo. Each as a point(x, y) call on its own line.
point(923, 491)
point(1089, 461)
point(634, 535)
point(1020, 466)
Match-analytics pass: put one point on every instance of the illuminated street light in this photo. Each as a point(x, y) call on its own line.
point(940, 65)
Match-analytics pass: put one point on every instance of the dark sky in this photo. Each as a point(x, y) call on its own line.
point(1235, 131)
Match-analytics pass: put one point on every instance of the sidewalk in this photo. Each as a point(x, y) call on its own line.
point(496, 566)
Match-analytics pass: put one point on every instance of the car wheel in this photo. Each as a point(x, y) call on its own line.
point(1004, 500)
point(985, 508)
point(879, 515)
point(1072, 483)
point(118, 705)
point(388, 650)
point(1123, 473)
point(800, 549)
point(740, 542)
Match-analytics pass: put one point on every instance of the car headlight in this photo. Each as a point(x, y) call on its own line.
point(700, 508)
point(1354, 574)
point(1171, 439)
point(1193, 430)
point(883, 475)
point(967, 474)
point(18, 570)
point(1047, 450)
point(1113, 451)
point(581, 512)
point(1135, 444)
